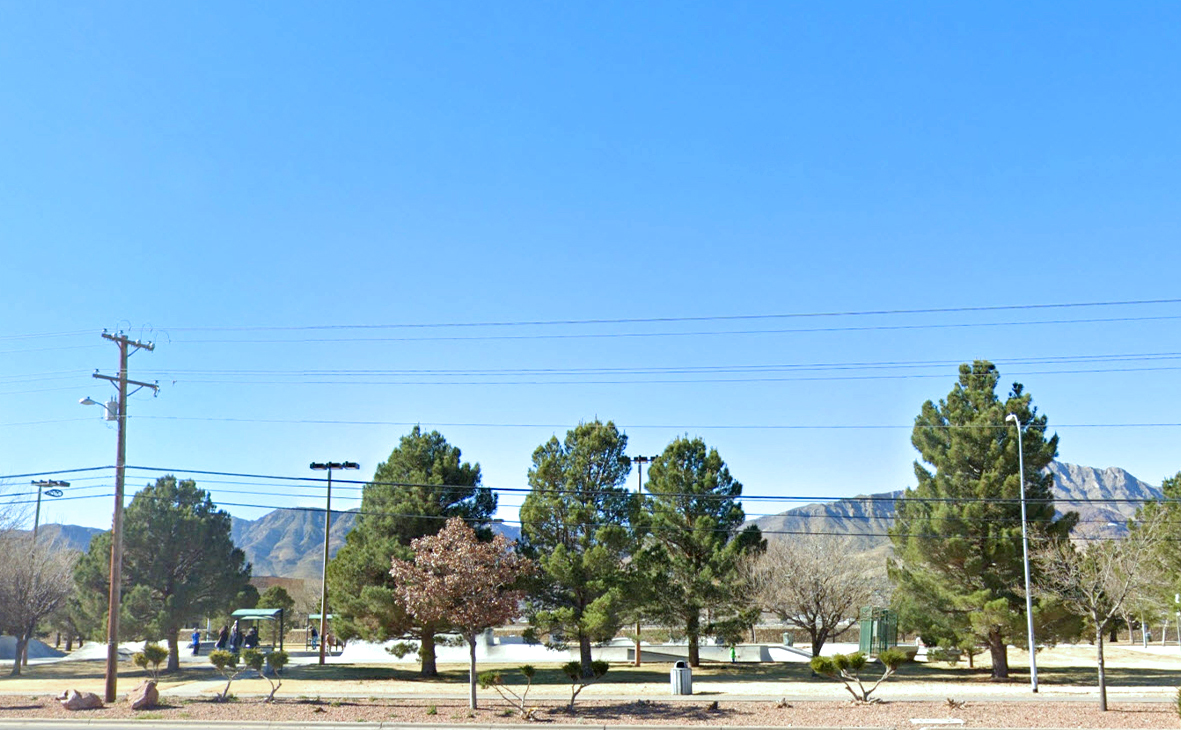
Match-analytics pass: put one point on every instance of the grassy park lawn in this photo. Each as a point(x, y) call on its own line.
point(1069, 666)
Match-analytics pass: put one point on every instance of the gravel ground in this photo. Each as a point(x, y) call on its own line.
point(1048, 714)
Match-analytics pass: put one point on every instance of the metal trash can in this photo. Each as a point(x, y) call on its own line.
point(681, 676)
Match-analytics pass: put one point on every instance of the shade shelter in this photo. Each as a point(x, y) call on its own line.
point(262, 614)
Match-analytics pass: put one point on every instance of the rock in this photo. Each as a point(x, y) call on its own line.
point(82, 701)
point(145, 696)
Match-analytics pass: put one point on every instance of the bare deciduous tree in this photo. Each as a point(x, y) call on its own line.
point(1096, 579)
point(813, 583)
point(35, 580)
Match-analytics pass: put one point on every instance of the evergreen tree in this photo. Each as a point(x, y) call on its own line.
point(179, 564)
point(577, 524)
point(413, 493)
point(696, 543)
point(957, 536)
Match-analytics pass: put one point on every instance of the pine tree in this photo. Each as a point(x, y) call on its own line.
point(696, 543)
point(179, 563)
point(413, 493)
point(957, 537)
point(577, 524)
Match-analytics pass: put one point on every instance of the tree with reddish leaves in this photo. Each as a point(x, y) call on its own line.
point(458, 580)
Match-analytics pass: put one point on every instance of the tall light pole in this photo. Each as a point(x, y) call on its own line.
point(1025, 551)
point(639, 461)
point(53, 488)
point(120, 415)
point(327, 466)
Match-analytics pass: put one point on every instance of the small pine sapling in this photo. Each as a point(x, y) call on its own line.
point(227, 663)
point(573, 670)
point(495, 680)
point(150, 659)
point(847, 668)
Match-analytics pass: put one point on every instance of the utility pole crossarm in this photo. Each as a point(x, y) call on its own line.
point(127, 341)
point(115, 379)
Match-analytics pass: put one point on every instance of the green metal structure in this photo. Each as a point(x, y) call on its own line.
point(879, 630)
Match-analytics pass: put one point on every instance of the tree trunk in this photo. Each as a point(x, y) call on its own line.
point(970, 660)
point(637, 643)
point(471, 642)
point(426, 653)
point(818, 638)
point(21, 644)
point(1102, 672)
point(1000, 655)
point(584, 655)
point(693, 630)
point(173, 652)
point(69, 643)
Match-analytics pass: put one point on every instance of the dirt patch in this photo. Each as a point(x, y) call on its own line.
point(1026, 714)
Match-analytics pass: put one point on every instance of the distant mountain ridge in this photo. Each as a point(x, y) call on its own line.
point(866, 519)
point(290, 542)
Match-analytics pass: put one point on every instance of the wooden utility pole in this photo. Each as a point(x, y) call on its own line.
point(126, 347)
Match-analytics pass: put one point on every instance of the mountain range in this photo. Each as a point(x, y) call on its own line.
point(290, 543)
point(866, 519)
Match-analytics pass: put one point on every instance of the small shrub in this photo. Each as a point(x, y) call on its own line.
point(949, 656)
point(150, 659)
point(227, 663)
point(573, 671)
point(847, 669)
point(432, 710)
point(495, 679)
point(267, 663)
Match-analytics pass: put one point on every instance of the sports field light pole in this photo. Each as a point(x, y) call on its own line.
point(327, 466)
point(1025, 552)
point(53, 488)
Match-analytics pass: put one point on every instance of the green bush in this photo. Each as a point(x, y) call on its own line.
point(949, 656)
point(495, 679)
point(573, 671)
point(847, 668)
point(150, 659)
point(227, 663)
point(273, 663)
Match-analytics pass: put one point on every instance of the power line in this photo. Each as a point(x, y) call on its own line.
point(520, 523)
point(677, 381)
point(699, 333)
point(667, 427)
point(667, 369)
point(652, 320)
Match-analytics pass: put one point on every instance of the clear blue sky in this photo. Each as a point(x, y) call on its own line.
point(170, 167)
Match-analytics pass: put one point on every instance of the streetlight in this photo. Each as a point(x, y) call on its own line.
point(52, 489)
point(1025, 552)
point(327, 466)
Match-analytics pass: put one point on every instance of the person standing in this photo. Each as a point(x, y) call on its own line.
point(223, 638)
point(196, 640)
point(235, 638)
